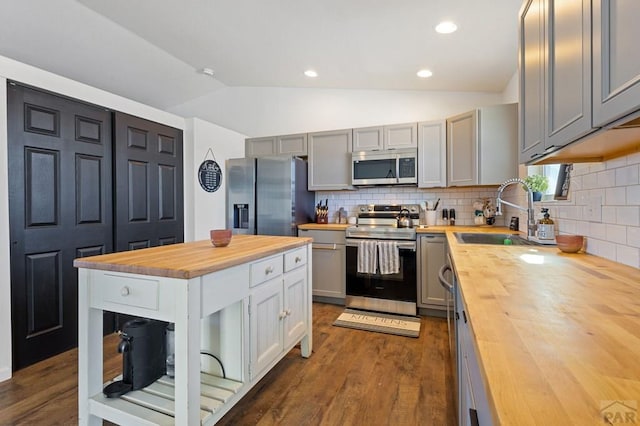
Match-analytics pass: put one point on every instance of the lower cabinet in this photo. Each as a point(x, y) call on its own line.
point(473, 404)
point(432, 253)
point(329, 268)
point(277, 317)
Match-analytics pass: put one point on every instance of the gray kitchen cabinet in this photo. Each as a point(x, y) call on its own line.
point(555, 87)
point(432, 154)
point(295, 144)
point(531, 72)
point(432, 254)
point(396, 136)
point(616, 64)
point(330, 160)
point(328, 264)
point(260, 147)
point(473, 403)
point(482, 147)
point(292, 145)
point(368, 139)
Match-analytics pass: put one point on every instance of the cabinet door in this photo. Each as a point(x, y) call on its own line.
point(462, 149)
point(330, 160)
point(616, 64)
point(432, 154)
point(497, 148)
point(568, 76)
point(401, 136)
point(295, 306)
point(432, 257)
point(292, 144)
point(266, 315)
point(531, 133)
point(329, 270)
point(260, 147)
point(368, 139)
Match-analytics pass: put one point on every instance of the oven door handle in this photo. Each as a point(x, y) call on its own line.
point(443, 281)
point(402, 245)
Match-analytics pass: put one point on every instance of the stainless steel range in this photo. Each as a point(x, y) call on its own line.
point(377, 289)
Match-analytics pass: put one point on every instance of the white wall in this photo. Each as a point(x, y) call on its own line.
point(10, 69)
point(208, 208)
point(511, 93)
point(267, 111)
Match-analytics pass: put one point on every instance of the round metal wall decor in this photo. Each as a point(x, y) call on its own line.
point(210, 175)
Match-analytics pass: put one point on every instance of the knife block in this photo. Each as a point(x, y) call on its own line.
point(322, 219)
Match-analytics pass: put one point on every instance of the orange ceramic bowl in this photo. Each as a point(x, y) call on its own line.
point(570, 243)
point(220, 237)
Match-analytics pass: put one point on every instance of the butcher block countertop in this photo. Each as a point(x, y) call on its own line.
point(190, 260)
point(324, 226)
point(557, 334)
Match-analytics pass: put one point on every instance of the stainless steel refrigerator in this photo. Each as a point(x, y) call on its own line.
point(268, 196)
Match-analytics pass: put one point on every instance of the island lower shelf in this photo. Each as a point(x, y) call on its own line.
point(156, 402)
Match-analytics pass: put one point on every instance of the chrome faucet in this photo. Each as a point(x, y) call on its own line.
point(531, 222)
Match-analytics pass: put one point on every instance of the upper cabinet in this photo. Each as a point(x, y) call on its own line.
point(330, 160)
point(555, 89)
point(276, 145)
point(481, 146)
point(616, 64)
point(432, 154)
point(396, 136)
point(578, 74)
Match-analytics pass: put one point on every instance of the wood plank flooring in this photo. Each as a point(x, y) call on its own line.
point(353, 377)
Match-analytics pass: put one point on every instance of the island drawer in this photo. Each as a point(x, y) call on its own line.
point(266, 269)
point(128, 291)
point(295, 258)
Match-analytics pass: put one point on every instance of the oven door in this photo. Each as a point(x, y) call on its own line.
point(395, 293)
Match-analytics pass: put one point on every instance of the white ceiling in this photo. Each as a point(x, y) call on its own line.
point(152, 50)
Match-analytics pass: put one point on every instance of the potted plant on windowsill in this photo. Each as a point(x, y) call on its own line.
point(538, 185)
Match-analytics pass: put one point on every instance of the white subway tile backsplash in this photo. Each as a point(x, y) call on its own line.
point(633, 236)
point(616, 234)
point(628, 256)
point(633, 195)
point(608, 215)
point(633, 158)
point(606, 179)
point(628, 215)
point(598, 231)
point(628, 175)
point(616, 163)
point(616, 196)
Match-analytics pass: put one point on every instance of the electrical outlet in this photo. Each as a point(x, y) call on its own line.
point(593, 209)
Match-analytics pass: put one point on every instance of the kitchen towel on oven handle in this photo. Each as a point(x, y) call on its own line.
point(367, 257)
point(389, 257)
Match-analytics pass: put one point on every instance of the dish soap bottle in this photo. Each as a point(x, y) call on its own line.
point(546, 227)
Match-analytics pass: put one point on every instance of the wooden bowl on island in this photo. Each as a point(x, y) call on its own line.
point(570, 243)
point(220, 237)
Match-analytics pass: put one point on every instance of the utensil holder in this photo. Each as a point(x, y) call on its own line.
point(322, 219)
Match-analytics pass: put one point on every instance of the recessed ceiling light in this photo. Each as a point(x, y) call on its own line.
point(424, 73)
point(311, 73)
point(207, 71)
point(446, 27)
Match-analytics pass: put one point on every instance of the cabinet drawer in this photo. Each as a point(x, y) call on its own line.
point(130, 291)
point(266, 269)
point(295, 259)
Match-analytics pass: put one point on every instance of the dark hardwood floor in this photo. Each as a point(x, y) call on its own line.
point(352, 378)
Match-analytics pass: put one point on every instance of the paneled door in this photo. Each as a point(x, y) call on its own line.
point(60, 208)
point(148, 184)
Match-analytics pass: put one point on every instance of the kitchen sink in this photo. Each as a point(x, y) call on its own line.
point(494, 239)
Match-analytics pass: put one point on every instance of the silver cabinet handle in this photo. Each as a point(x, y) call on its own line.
point(124, 291)
point(325, 247)
point(268, 270)
point(298, 259)
point(443, 281)
point(287, 311)
point(282, 315)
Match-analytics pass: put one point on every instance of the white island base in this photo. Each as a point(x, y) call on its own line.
point(249, 315)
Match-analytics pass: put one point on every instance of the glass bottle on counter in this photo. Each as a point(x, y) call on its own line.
point(546, 226)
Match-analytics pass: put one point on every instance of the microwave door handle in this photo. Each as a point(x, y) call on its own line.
point(397, 169)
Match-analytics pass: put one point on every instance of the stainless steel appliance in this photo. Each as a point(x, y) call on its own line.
point(268, 196)
point(397, 292)
point(393, 167)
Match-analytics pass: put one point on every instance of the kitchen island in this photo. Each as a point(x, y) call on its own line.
point(555, 335)
point(248, 303)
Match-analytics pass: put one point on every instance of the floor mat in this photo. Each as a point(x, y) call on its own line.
point(379, 322)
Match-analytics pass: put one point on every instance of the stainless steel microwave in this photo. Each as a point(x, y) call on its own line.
point(393, 167)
